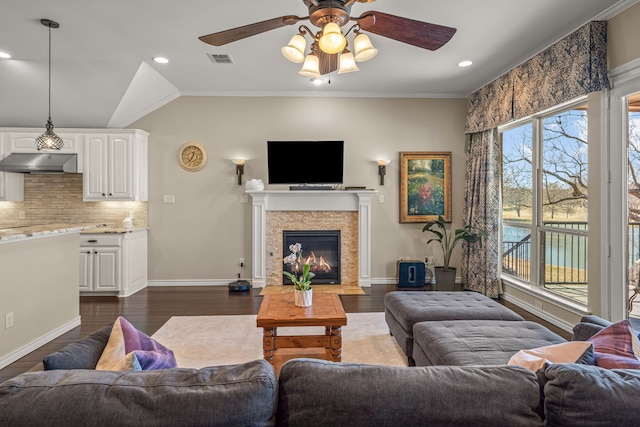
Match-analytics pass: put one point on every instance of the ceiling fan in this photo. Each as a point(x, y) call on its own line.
point(330, 16)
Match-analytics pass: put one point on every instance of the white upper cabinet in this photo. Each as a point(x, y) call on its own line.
point(11, 184)
point(115, 166)
point(25, 142)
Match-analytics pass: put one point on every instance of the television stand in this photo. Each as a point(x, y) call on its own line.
point(310, 187)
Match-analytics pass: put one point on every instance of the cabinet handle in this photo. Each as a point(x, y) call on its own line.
point(110, 194)
point(104, 195)
point(95, 252)
point(92, 241)
point(89, 252)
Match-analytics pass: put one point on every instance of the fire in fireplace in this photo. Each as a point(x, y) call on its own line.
point(320, 249)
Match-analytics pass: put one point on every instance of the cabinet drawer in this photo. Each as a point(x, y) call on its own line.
point(100, 240)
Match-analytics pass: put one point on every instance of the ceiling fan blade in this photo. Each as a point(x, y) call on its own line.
point(416, 33)
point(234, 34)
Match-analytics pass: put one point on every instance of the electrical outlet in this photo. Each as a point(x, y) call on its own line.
point(22, 215)
point(168, 198)
point(381, 198)
point(8, 320)
point(241, 262)
point(244, 199)
point(537, 304)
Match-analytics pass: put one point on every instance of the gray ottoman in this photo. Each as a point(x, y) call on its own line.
point(403, 309)
point(479, 342)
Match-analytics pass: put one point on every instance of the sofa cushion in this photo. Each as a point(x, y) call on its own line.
point(321, 393)
point(568, 352)
point(131, 350)
point(234, 395)
point(617, 346)
point(583, 395)
point(82, 354)
point(478, 342)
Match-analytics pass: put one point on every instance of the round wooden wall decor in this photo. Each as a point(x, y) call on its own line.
point(192, 156)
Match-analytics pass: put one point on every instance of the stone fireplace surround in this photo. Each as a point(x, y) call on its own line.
point(348, 211)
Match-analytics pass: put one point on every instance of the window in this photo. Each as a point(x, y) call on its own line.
point(545, 202)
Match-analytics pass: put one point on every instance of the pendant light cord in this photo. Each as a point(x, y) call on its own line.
point(49, 115)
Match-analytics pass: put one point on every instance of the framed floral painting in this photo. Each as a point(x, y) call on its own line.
point(425, 186)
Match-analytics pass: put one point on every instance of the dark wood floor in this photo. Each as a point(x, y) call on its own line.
point(150, 308)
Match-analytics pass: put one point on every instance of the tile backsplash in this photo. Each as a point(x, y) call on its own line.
point(55, 199)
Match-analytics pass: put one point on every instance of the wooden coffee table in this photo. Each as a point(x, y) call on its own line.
point(279, 311)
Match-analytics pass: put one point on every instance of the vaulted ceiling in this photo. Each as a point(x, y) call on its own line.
point(103, 74)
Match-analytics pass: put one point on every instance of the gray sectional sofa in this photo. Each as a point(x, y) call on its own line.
point(312, 392)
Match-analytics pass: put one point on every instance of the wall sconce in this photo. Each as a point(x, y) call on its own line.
point(382, 169)
point(239, 169)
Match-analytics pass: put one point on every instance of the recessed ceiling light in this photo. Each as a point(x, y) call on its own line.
point(161, 60)
point(4, 55)
point(465, 63)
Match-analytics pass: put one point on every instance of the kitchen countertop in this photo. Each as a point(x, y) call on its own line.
point(112, 230)
point(45, 230)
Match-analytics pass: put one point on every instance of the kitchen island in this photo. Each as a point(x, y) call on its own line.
point(38, 287)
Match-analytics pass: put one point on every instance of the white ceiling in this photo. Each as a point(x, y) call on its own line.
point(103, 75)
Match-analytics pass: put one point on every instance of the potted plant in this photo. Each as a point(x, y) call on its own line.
point(448, 242)
point(300, 276)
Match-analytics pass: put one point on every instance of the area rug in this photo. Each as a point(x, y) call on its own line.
point(199, 341)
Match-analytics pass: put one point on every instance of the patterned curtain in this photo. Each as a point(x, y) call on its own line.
point(572, 67)
point(480, 268)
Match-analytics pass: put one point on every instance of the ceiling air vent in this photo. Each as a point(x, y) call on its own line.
point(223, 58)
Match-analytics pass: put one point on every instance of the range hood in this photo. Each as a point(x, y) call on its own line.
point(40, 163)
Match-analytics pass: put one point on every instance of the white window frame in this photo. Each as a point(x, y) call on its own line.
point(534, 286)
point(625, 80)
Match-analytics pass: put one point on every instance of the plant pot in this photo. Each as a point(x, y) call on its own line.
point(302, 298)
point(446, 279)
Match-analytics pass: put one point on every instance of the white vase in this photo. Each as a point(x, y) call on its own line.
point(302, 298)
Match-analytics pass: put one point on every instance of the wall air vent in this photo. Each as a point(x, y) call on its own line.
point(223, 58)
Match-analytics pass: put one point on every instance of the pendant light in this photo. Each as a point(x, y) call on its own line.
point(49, 140)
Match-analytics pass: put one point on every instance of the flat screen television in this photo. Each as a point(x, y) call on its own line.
point(305, 162)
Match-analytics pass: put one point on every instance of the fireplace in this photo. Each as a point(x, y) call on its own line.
point(274, 211)
point(320, 249)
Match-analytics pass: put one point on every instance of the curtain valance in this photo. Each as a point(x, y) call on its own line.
point(572, 67)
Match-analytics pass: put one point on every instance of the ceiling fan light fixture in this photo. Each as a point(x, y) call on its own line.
point(332, 41)
point(311, 67)
point(347, 63)
point(294, 50)
point(363, 48)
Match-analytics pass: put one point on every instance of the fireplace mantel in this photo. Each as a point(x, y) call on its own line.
point(306, 200)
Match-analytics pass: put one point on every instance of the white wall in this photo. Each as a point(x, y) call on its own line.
point(202, 236)
point(39, 286)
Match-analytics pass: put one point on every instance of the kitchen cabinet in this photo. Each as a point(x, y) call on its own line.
point(24, 141)
point(11, 184)
point(113, 263)
point(115, 166)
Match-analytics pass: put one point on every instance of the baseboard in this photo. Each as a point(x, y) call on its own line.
point(37, 343)
point(562, 324)
point(215, 282)
point(394, 280)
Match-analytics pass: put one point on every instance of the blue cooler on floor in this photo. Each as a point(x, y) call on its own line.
point(410, 274)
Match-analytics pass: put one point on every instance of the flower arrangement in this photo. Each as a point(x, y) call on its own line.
point(298, 266)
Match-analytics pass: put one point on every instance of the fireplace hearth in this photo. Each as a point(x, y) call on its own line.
point(320, 249)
